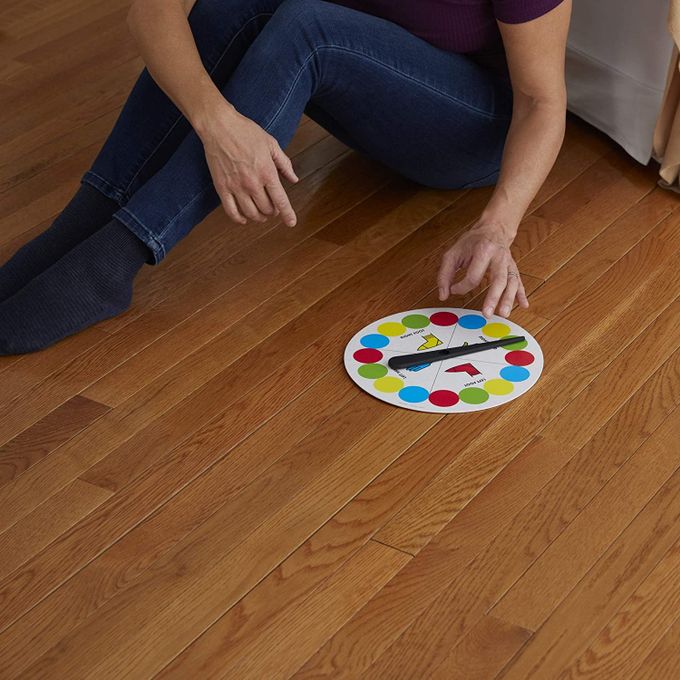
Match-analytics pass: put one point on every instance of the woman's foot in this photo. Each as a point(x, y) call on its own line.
point(86, 212)
point(91, 282)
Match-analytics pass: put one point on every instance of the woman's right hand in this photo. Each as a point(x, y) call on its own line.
point(245, 162)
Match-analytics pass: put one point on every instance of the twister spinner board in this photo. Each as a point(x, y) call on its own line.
point(458, 385)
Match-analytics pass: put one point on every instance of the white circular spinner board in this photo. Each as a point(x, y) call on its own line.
point(458, 385)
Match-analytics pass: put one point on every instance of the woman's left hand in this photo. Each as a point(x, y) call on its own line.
point(483, 248)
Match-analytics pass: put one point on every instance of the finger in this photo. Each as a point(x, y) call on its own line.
point(229, 205)
point(508, 298)
point(280, 200)
point(262, 202)
point(283, 164)
point(447, 271)
point(248, 208)
point(474, 275)
point(499, 282)
point(522, 295)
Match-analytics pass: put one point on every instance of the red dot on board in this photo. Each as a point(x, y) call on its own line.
point(368, 356)
point(519, 358)
point(443, 398)
point(444, 318)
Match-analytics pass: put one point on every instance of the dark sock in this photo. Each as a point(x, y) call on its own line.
point(91, 282)
point(86, 212)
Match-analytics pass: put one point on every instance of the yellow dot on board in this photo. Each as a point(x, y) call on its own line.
point(392, 328)
point(496, 330)
point(498, 386)
point(388, 384)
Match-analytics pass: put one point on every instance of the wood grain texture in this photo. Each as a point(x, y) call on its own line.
point(47, 522)
point(483, 652)
point(621, 645)
point(48, 434)
point(195, 489)
point(663, 661)
point(611, 581)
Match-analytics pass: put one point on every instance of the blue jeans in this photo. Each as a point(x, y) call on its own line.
point(433, 116)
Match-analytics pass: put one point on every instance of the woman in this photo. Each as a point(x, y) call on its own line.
point(449, 93)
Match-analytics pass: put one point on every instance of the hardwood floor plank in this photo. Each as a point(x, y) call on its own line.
point(484, 652)
point(467, 599)
point(314, 619)
point(620, 647)
point(134, 626)
point(24, 164)
point(242, 624)
point(46, 435)
point(663, 661)
point(623, 187)
point(36, 30)
point(76, 97)
point(47, 522)
point(611, 581)
point(557, 570)
point(20, 374)
point(151, 539)
point(602, 252)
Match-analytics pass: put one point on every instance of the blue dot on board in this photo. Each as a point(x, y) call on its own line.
point(375, 341)
point(472, 321)
point(413, 394)
point(514, 373)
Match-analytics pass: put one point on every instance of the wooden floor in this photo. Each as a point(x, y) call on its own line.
point(196, 489)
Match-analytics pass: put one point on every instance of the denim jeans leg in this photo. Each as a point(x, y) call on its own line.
point(433, 116)
point(150, 127)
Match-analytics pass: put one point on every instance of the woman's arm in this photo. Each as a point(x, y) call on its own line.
point(535, 51)
point(162, 34)
point(244, 160)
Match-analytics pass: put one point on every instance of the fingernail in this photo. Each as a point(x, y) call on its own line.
point(487, 311)
point(504, 311)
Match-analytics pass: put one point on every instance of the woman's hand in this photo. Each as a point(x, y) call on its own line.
point(483, 248)
point(245, 162)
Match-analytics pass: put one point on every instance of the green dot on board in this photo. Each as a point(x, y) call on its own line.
point(515, 345)
point(416, 321)
point(473, 395)
point(372, 371)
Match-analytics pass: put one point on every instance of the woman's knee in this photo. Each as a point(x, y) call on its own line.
point(217, 9)
point(226, 16)
point(311, 22)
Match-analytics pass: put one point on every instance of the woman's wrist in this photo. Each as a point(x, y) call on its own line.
point(498, 229)
point(207, 108)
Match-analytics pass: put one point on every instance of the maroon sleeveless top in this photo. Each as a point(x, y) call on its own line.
point(455, 25)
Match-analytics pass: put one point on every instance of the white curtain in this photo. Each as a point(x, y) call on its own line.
point(617, 65)
point(667, 133)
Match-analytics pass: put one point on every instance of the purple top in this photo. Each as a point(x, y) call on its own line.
point(455, 25)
